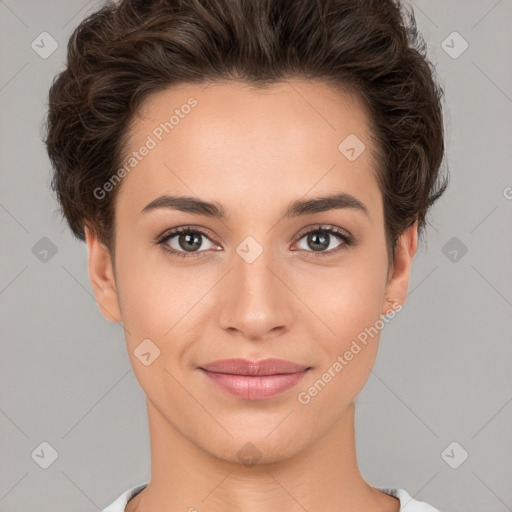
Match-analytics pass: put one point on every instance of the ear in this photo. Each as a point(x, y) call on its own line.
point(102, 277)
point(398, 280)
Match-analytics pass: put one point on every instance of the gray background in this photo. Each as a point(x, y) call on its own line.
point(443, 370)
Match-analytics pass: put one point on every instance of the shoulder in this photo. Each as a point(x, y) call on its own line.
point(119, 504)
point(407, 502)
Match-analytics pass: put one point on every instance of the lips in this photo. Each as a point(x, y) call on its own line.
point(254, 380)
point(246, 367)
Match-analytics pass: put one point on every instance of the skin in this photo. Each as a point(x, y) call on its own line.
point(253, 152)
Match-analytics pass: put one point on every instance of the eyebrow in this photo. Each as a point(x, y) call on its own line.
point(296, 208)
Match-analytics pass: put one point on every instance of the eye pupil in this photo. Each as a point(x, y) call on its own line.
point(316, 238)
point(189, 240)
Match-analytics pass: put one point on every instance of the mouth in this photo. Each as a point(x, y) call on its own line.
point(258, 380)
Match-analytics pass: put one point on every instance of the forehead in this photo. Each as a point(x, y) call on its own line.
point(227, 140)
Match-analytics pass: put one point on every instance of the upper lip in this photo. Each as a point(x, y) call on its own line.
point(245, 367)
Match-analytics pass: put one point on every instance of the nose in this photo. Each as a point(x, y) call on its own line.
point(255, 301)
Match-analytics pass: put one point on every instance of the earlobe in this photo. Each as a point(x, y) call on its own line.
point(102, 277)
point(398, 282)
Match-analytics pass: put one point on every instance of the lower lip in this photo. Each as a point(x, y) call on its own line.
point(255, 387)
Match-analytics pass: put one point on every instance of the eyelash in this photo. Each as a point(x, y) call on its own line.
point(163, 239)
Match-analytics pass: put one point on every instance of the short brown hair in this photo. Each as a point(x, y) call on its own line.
point(127, 50)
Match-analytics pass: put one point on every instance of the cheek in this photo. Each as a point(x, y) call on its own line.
point(152, 294)
point(161, 303)
point(151, 314)
point(347, 299)
point(348, 348)
point(151, 303)
point(349, 303)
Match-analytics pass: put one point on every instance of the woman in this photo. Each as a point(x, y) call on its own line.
point(251, 178)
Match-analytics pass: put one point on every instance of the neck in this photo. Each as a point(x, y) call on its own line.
point(323, 476)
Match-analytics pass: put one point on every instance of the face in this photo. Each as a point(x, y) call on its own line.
point(278, 275)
